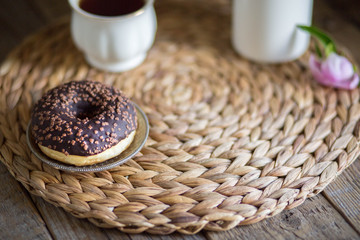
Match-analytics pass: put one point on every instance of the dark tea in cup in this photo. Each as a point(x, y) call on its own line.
point(114, 35)
point(111, 7)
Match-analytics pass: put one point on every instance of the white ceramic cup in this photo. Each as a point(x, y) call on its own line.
point(265, 30)
point(114, 43)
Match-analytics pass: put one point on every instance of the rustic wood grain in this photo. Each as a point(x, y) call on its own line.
point(63, 225)
point(344, 194)
point(113, 234)
point(19, 219)
point(17, 20)
point(18, 11)
point(340, 29)
point(8, 39)
point(315, 219)
point(20, 18)
point(49, 11)
point(348, 9)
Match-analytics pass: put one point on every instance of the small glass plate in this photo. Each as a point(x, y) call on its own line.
point(141, 135)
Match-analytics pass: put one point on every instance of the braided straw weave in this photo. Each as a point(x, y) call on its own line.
point(231, 142)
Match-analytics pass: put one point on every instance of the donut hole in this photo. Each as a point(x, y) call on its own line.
point(87, 110)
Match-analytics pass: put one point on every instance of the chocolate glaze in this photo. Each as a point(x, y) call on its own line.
point(82, 118)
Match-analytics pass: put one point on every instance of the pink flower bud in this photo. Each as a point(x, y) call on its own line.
point(336, 71)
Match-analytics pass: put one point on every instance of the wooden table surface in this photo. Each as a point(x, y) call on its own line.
point(333, 214)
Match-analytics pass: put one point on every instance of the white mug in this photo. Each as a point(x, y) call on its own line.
point(114, 43)
point(265, 30)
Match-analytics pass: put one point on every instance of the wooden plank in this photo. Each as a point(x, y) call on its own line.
point(17, 21)
point(349, 9)
point(8, 41)
point(63, 225)
point(342, 31)
point(19, 218)
point(344, 194)
point(50, 10)
point(113, 235)
point(315, 219)
point(20, 17)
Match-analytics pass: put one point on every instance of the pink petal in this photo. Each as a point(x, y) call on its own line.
point(315, 67)
point(328, 80)
point(348, 84)
point(337, 68)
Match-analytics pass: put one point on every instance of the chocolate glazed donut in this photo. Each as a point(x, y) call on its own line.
point(83, 123)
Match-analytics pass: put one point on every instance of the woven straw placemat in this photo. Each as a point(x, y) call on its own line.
point(231, 142)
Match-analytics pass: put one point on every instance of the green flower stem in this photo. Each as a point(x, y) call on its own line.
point(328, 43)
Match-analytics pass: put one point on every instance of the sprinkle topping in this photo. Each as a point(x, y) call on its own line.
point(76, 117)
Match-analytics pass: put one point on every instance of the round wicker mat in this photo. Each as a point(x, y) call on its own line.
point(231, 142)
